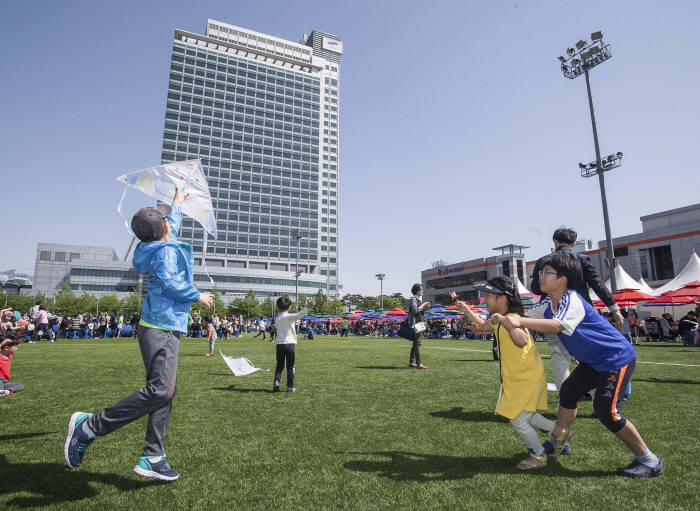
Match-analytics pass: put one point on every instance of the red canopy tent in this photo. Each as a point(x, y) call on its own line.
point(631, 295)
point(672, 300)
point(691, 289)
point(396, 312)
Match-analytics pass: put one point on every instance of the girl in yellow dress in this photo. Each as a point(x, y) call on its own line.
point(523, 383)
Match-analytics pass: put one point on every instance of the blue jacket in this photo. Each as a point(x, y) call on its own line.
point(169, 266)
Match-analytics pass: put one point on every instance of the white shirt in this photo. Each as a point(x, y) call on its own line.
point(284, 324)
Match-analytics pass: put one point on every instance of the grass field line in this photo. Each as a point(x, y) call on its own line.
point(489, 351)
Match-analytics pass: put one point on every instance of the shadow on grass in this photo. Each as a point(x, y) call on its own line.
point(53, 483)
point(475, 360)
point(409, 466)
point(380, 367)
point(661, 380)
point(232, 388)
point(469, 416)
point(20, 436)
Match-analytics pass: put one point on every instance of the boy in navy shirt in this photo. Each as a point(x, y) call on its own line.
point(606, 360)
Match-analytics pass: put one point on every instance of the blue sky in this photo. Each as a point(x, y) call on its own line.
point(458, 131)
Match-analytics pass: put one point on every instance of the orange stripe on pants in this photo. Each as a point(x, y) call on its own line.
point(613, 407)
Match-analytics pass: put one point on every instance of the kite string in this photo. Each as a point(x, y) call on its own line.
point(119, 210)
point(204, 257)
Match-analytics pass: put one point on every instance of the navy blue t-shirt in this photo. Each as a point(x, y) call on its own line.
point(587, 335)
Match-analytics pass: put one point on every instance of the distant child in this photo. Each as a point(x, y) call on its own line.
point(286, 340)
point(523, 383)
point(211, 334)
point(606, 360)
point(8, 347)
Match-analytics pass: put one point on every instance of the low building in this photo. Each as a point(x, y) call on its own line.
point(99, 271)
point(439, 282)
point(660, 251)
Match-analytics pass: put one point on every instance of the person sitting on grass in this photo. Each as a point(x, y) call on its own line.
point(523, 384)
point(286, 340)
point(8, 348)
point(606, 361)
point(169, 265)
point(208, 326)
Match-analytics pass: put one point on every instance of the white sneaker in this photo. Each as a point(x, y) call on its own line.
point(4, 393)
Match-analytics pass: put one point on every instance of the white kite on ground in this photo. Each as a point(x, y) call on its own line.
point(240, 366)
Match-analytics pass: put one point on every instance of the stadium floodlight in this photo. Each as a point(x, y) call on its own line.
point(581, 44)
point(561, 59)
point(570, 51)
point(596, 36)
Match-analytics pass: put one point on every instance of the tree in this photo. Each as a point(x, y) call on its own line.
point(400, 301)
point(335, 306)
point(321, 304)
point(65, 301)
point(302, 302)
point(268, 307)
point(110, 303)
point(248, 307)
point(352, 302)
point(131, 304)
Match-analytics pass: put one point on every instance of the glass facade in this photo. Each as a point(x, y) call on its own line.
point(262, 127)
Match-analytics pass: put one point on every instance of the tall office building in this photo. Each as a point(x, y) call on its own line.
point(262, 115)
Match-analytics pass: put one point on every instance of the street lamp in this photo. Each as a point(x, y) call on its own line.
point(381, 276)
point(297, 236)
point(579, 61)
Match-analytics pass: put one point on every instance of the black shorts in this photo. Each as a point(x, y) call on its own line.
point(609, 389)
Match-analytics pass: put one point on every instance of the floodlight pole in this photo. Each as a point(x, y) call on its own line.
point(609, 251)
point(381, 276)
point(297, 236)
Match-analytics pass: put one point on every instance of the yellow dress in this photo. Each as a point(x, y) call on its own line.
point(523, 382)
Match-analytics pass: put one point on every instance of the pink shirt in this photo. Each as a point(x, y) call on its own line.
point(211, 332)
point(42, 318)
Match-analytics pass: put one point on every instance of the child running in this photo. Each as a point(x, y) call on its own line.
point(523, 385)
point(169, 264)
point(211, 335)
point(606, 360)
point(286, 340)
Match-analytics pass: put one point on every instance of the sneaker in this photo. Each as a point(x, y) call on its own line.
point(421, 366)
point(638, 470)
point(291, 389)
point(157, 470)
point(76, 440)
point(4, 393)
point(412, 365)
point(548, 447)
point(558, 450)
point(276, 387)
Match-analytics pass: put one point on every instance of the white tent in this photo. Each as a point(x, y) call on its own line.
point(645, 288)
point(522, 290)
point(690, 273)
point(622, 279)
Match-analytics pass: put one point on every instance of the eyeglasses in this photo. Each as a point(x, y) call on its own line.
point(543, 273)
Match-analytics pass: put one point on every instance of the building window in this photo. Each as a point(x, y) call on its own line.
point(506, 268)
point(44, 255)
point(257, 266)
point(621, 252)
point(521, 273)
point(657, 263)
point(59, 256)
point(74, 256)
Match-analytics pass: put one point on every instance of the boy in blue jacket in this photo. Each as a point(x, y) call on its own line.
point(168, 264)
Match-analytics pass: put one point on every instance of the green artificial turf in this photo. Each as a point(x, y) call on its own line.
point(363, 432)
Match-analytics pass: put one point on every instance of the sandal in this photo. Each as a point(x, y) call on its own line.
point(561, 441)
point(532, 462)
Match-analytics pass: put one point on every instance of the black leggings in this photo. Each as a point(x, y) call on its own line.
point(285, 354)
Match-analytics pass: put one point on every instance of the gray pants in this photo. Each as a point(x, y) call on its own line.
point(159, 349)
point(12, 387)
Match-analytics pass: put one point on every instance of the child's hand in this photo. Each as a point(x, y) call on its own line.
point(496, 318)
point(510, 321)
point(180, 196)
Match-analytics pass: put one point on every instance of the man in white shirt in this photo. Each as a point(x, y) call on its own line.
point(286, 340)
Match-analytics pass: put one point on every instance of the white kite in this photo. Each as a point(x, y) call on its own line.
point(240, 366)
point(160, 181)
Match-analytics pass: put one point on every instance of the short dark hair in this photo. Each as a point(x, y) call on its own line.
point(284, 303)
point(566, 265)
point(565, 235)
point(42, 307)
point(208, 319)
point(415, 288)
